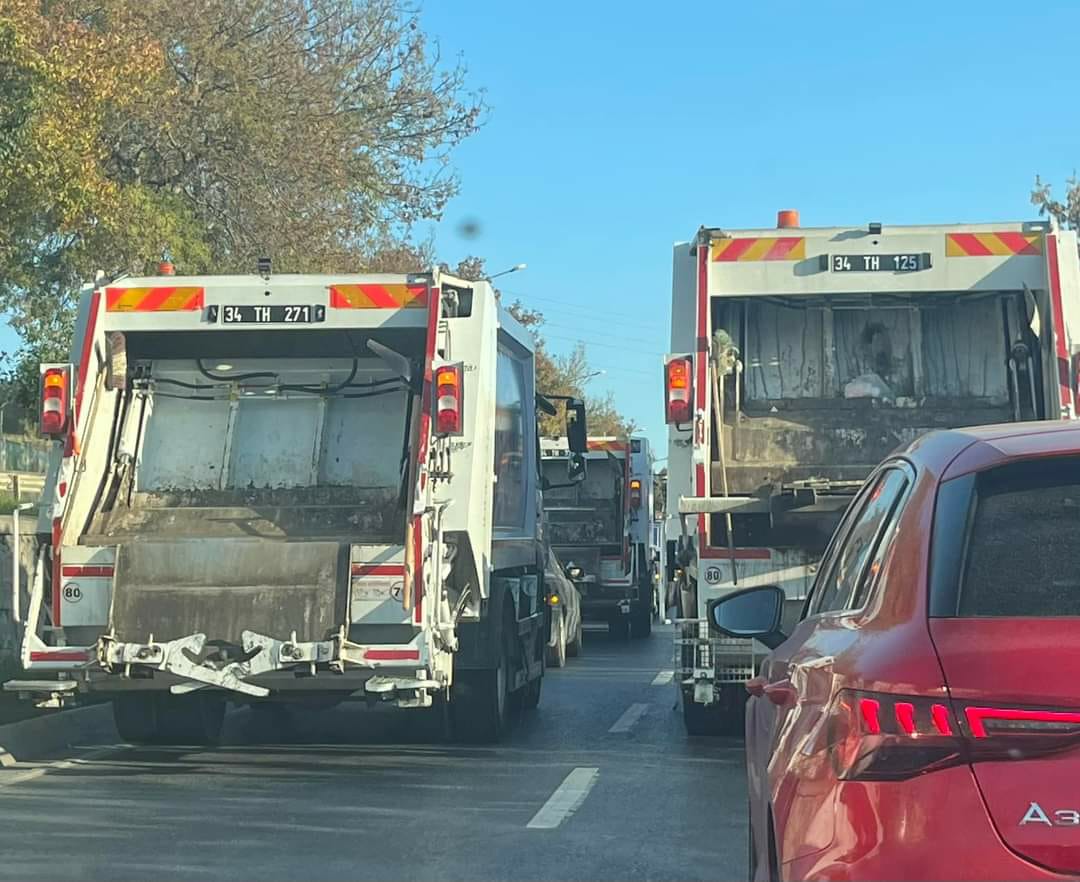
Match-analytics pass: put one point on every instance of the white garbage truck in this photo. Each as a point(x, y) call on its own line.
point(600, 528)
point(290, 488)
point(801, 357)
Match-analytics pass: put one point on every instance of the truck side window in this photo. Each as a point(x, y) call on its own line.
point(851, 559)
point(510, 458)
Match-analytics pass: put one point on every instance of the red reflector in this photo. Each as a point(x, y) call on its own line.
point(359, 569)
point(392, 654)
point(869, 708)
point(88, 571)
point(59, 655)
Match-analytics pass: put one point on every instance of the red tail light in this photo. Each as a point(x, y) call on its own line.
point(635, 493)
point(678, 390)
point(448, 400)
point(55, 400)
point(872, 736)
point(878, 737)
point(994, 722)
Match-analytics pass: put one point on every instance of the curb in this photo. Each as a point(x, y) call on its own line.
point(39, 737)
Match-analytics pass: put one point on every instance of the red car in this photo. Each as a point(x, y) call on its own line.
point(922, 719)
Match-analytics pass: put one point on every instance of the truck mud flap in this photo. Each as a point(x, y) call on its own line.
point(223, 587)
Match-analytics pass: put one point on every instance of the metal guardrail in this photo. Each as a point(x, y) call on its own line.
point(24, 486)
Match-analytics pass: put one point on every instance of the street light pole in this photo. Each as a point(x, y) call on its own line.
point(517, 267)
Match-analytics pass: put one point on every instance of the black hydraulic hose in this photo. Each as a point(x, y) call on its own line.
point(374, 393)
point(119, 411)
point(258, 375)
point(332, 390)
point(287, 387)
point(138, 444)
point(195, 387)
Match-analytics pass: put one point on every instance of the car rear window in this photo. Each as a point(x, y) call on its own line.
point(1023, 545)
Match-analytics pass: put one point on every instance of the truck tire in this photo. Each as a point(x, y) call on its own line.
point(481, 699)
point(190, 719)
point(574, 647)
point(530, 693)
point(641, 621)
point(135, 717)
point(162, 718)
point(557, 654)
point(619, 627)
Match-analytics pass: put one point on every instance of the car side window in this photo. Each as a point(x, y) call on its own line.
point(885, 540)
point(838, 586)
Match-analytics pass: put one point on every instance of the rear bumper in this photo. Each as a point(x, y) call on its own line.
point(383, 672)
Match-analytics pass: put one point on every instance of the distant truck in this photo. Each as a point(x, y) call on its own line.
point(802, 357)
point(293, 489)
point(601, 528)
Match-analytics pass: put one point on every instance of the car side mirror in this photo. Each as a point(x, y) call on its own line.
point(577, 433)
point(752, 612)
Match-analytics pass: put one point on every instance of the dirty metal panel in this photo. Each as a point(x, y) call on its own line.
point(274, 443)
point(344, 513)
point(362, 441)
point(843, 439)
point(184, 444)
point(224, 587)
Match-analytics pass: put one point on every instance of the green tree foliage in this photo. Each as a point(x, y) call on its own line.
point(311, 131)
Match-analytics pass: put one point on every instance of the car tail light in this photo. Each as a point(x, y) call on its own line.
point(55, 400)
point(879, 737)
point(635, 493)
point(1010, 732)
point(448, 399)
point(678, 390)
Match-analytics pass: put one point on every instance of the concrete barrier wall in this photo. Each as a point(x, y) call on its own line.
point(9, 650)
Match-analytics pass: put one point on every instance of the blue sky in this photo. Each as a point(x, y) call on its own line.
point(617, 129)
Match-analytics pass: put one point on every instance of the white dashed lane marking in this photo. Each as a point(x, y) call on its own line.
point(566, 799)
point(663, 678)
point(632, 714)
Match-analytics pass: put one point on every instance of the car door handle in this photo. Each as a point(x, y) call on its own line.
point(780, 692)
point(756, 686)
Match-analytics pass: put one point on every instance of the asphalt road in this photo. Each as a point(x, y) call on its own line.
point(599, 783)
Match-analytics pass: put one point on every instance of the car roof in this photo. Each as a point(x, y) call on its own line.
point(953, 452)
